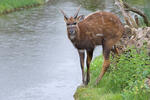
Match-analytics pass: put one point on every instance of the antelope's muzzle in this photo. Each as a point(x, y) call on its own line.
point(72, 30)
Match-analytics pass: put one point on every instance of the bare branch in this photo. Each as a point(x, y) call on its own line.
point(129, 20)
point(137, 11)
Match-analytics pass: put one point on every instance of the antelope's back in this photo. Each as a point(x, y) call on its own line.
point(105, 23)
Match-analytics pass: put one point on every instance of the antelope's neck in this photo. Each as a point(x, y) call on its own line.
point(82, 41)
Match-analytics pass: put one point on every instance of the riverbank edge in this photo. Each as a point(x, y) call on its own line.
point(23, 7)
point(108, 90)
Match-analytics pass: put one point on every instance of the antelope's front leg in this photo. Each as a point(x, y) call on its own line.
point(88, 61)
point(82, 55)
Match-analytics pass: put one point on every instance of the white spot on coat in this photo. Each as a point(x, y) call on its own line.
point(103, 22)
point(99, 34)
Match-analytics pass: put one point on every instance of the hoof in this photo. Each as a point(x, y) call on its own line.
point(86, 82)
point(81, 85)
point(96, 83)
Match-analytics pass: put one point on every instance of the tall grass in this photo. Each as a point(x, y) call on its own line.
point(8, 5)
point(124, 80)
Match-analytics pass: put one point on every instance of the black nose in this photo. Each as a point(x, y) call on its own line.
point(72, 32)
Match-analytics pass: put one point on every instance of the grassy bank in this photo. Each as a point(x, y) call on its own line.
point(7, 6)
point(123, 81)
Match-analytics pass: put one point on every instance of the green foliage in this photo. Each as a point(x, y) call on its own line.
point(7, 5)
point(129, 77)
point(135, 2)
point(91, 4)
point(125, 79)
point(146, 11)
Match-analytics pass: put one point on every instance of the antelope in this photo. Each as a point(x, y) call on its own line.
point(85, 33)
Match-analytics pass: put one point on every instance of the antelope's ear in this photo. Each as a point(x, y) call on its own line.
point(65, 19)
point(80, 18)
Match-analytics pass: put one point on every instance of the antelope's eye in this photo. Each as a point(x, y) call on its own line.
point(74, 23)
point(68, 24)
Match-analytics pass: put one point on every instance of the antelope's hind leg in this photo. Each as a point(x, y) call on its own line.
point(107, 46)
point(106, 63)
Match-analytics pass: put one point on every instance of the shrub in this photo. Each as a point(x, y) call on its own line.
point(130, 74)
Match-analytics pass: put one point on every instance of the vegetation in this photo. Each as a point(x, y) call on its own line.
point(146, 9)
point(92, 4)
point(103, 4)
point(125, 80)
point(136, 2)
point(143, 5)
point(11, 5)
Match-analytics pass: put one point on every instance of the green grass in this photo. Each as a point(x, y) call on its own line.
point(124, 80)
point(8, 5)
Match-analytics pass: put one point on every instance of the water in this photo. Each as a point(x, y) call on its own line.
point(37, 61)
